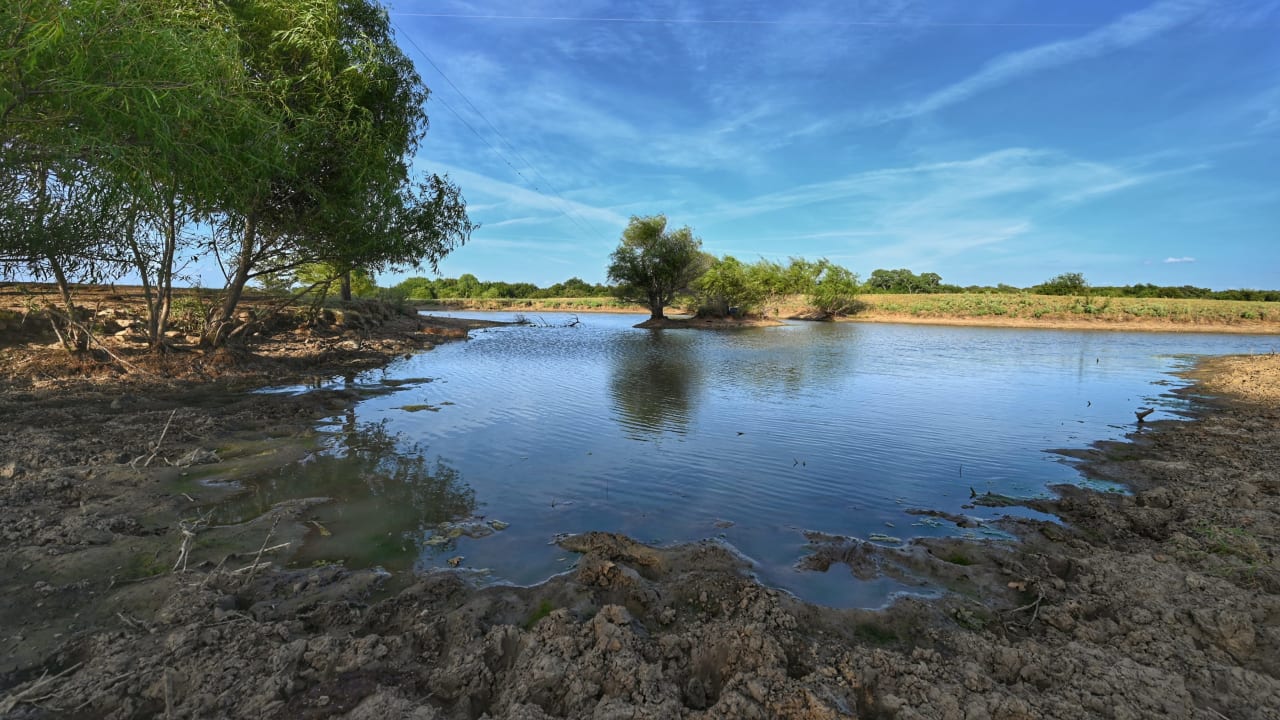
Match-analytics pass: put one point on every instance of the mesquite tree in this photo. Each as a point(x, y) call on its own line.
point(652, 264)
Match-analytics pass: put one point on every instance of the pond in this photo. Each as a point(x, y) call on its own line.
point(489, 448)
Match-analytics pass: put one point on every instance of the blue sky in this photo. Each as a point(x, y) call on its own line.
point(993, 141)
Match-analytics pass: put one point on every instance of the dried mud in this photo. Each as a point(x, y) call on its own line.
point(1160, 603)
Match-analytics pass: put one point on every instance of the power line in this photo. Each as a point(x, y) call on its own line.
point(566, 207)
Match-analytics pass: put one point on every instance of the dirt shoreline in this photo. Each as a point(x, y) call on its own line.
point(1163, 603)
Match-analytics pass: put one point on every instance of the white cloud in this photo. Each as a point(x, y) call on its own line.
point(922, 214)
point(1171, 260)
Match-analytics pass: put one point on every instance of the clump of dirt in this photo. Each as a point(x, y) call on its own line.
point(1162, 603)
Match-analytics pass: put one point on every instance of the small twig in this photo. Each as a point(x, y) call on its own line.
point(1034, 606)
point(168, 694)
point(188, 530)
point(105, 685)
point(254, 568)
point(30, 694)
point(251, 569)
point(134, 623)
point(155, 449)
point(232, 616)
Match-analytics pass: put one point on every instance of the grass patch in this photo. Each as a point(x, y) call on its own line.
point(144, 565)
point(874, 634)
point(958, 558)
point(544, 609)
point(1233, 541)
point(1063, 307)
point(419, 408)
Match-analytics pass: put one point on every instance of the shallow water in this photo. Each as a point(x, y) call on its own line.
point(752, 436)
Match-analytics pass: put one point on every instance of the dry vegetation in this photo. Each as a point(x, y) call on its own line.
point(1100, 311)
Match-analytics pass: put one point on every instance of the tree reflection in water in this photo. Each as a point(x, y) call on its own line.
point(655, 382)
point(386, 498)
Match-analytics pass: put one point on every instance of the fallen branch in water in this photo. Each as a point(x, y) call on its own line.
point(253, 568)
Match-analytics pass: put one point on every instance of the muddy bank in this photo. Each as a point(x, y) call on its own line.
point(1163, 603)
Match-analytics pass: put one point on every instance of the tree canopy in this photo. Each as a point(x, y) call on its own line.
point(652, 263)
point(271, 133)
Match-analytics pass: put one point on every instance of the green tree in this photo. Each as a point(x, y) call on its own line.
point(350, 105)
point(904, 281)
point(60, 223)
point(1072, 283)
point(652, 263)
point(729, 285)
point(835, 290)
point(145, 99)
point(417, 288)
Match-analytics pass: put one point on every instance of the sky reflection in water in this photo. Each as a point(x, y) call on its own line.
point(751, 436)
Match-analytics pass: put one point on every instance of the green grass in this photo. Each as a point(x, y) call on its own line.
point(544, 609)
point(1058, 307)
point(144, 565)
point(1235, 541)
point(874, 634)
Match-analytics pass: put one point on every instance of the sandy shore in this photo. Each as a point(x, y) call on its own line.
point(1162, 603)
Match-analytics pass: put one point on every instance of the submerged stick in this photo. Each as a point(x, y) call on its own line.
point(256, 560)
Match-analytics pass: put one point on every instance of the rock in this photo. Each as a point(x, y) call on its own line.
point(499, 525)
point(9, 470)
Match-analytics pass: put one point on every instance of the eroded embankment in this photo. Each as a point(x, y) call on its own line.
point(1164, 603)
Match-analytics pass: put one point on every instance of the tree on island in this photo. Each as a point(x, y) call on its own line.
point(652, 263)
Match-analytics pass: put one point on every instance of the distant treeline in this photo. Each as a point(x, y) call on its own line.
point(901, 281)
point(469, 286)
point(1183, 291)
point(905, 282)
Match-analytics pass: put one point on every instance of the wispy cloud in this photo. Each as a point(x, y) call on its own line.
point(1173, 260)
point(922, 214)
point(516, 198)
point(1128, 31)
point(955, 185)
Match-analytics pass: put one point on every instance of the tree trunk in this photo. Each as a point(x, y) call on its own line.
point(76, 339)
point(216, 331)
point(159, 321)
point(75, 333)
point(345, 286)
point(655, 307)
